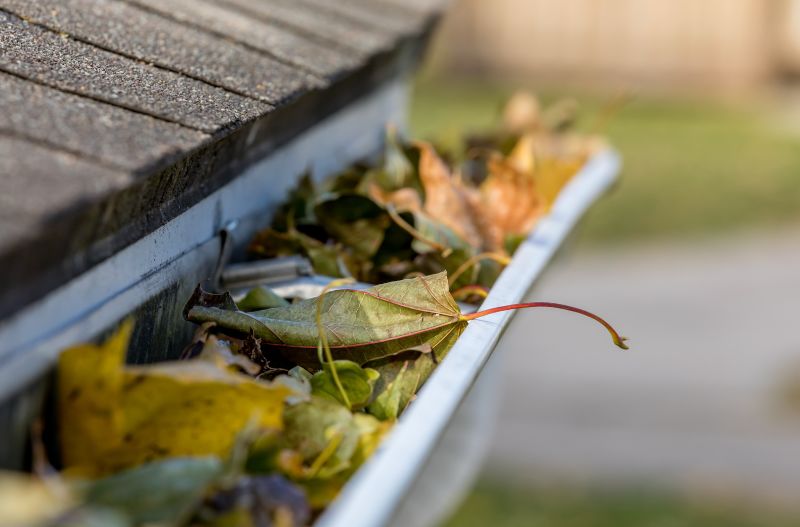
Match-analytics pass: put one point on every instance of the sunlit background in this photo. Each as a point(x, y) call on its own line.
point(695, 256)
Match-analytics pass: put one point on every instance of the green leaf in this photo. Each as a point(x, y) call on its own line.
point(488, 272)
point(301, 374)
point(161, 491)
point(356, 381)
point(360, 325)
point(354, 220)
point(332, 443)
point(312, 426)
point(397, 171)
point(270, 243)
point(428, 236)
point(512, 242)
point(438, 232)
point(401, 377)
point(348, 180)
point(453, 263)
point(298, 208)
point(261, 297)
point(88, 517)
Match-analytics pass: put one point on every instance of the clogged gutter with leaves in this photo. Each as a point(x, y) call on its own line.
point(275, 404)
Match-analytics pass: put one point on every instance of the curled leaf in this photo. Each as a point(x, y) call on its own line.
point(332, 443)
point(360, 325)
point(354, 220)
point(404, 199)
point(261, 297)
point(161, 491)
point(397, 171)
point(446, 200)
point(114, 416)
point(510, 201)
point(356, 382)
point(364, 325)
point(400, 378)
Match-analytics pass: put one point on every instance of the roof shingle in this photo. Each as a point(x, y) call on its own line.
point(131, 31)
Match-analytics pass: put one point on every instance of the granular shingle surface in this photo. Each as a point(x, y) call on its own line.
point(129, 30)
point(111, 135)
point(271, 38)
point(335, 30)
point(392, 18)
point(48, 179)
point(47, 57)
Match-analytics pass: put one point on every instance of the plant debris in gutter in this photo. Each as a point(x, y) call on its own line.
point(275, 405)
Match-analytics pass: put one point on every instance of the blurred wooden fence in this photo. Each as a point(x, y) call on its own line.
point(717, 44)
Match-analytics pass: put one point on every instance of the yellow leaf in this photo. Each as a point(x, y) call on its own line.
point(553, 174)
point(127, 415)
point(522, 157)
point(89, 389)
point(28, 501)
point(550, 162)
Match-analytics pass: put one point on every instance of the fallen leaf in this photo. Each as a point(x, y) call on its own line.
point(298, 207)
point(510, 202)
point(445, 200)
point(356, 381)
point(553, 174)
point(365, 325)
point(162, 491)
point(354, 220)
point(401, 376)
point(332, 443)
point(313, 427)
point(27, 501)
point(397, 171)
point(360, 325)
point(114, 417)
point(258, 501)
point(261, 297)
point(403, 199)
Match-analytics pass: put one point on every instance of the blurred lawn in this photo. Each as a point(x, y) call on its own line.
point(503, 507)
point(691, 167)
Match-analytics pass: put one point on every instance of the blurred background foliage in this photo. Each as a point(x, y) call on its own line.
point(692, 166)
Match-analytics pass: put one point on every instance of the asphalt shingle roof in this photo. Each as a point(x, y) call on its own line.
point(116, 115)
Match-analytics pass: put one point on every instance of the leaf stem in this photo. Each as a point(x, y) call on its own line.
point(468, 290)
point(497, 257)
point(326, 453)
point(618, 340)
point(323, 340)
point(403, 224)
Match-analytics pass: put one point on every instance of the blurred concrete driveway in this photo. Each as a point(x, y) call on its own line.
point(704, 398)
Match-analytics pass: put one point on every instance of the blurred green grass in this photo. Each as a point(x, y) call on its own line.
point(691, 167)
point(501, 506)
